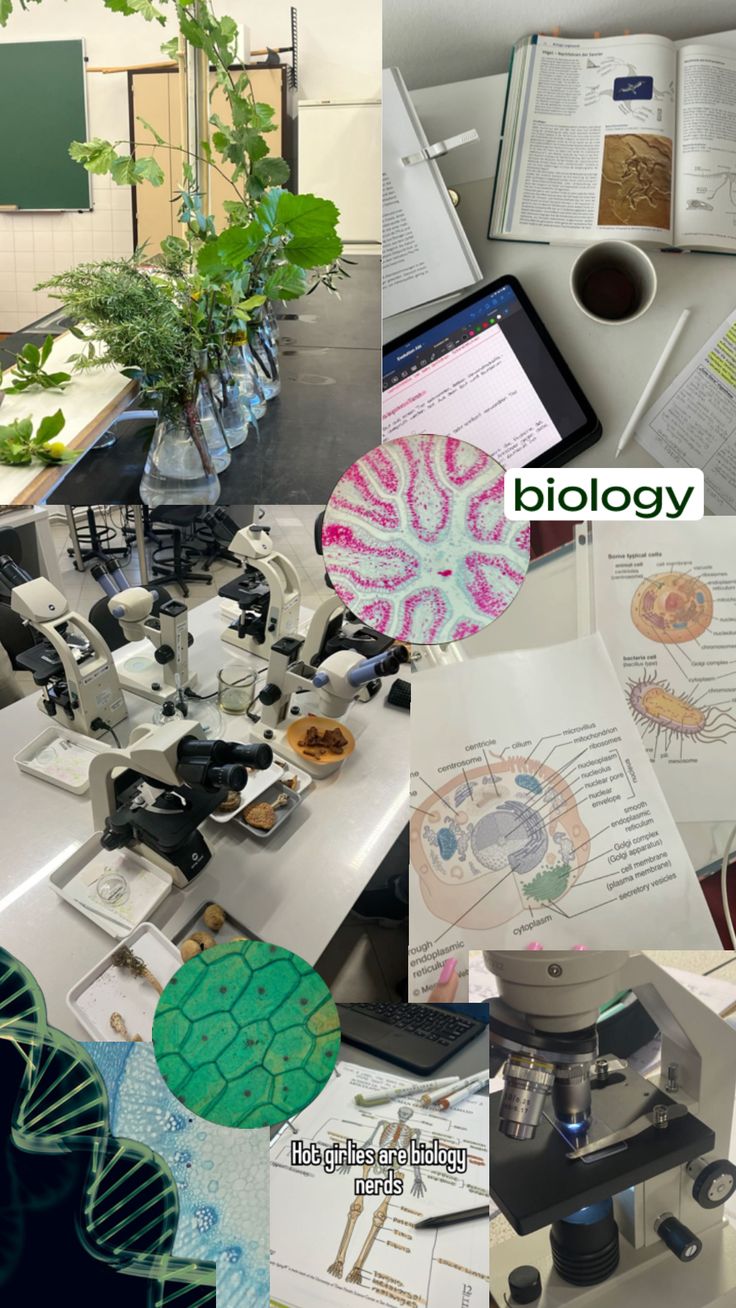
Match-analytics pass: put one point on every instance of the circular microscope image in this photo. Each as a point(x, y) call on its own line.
point(416, 543)
point(514, 830)
point(246, 1034)
point(672, 607)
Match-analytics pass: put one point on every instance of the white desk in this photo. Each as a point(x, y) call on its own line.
point(294, 889)
point(612, 364)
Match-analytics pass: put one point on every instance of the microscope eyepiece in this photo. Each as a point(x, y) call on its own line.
point(253, 756)
point(230, 776)
point(528, 1081)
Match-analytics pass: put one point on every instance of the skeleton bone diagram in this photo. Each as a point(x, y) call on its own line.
point(681, 698)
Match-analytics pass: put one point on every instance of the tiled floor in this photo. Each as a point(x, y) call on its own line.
point(362, 962)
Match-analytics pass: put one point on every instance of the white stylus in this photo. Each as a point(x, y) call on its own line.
point(630, 427)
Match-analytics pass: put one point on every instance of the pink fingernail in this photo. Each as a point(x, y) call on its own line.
point(535, 945)
point(447, 970)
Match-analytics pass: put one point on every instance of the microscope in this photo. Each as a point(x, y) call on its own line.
point(267, 593)
point(167, 673)
point(613, 1182)
point(69, 659)
point(342, 678)
point(154, 795)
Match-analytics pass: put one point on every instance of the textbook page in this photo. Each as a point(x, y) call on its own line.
point(318, 1262)
point(537, 816)
point(705, 185)
point(593, 141)
point(426, 253)
point(693, 423)
point(664, 601)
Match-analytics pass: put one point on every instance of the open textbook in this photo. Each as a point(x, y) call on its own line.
point(663, 597)
point(631, 137)
point(322, 1253)
point(426, 253)
point(537, 816)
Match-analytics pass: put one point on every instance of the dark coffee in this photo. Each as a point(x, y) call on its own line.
point(609, 292)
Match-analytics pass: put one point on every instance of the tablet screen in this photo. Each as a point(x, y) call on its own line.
point(485, 375)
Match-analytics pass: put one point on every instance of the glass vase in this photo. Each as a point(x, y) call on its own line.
point(179, 467)
point(207, 410)
point(246, 374)
point(264, 349)
point(233, 408)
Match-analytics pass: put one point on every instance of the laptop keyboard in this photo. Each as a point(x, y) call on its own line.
point(439, 1026)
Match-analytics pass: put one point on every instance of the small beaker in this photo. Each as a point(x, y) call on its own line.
point(235, 688)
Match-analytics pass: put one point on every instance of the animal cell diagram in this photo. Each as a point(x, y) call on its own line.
point(497, 841)
point(388, 1136)
point(672, 608)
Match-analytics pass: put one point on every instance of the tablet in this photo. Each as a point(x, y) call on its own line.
point(487, 371)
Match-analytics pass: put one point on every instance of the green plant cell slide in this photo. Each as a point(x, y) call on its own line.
point(246, 1034)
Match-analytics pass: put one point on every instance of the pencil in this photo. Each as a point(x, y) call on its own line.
point(646, 394)
point(447, 1219)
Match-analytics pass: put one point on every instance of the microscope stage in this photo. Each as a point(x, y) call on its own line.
point(534, 1183)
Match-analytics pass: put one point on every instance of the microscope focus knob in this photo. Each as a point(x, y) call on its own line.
point(270, 694)
point(525, 1285)
point(684, 1244)
point(714, 1182)
point(164, 654)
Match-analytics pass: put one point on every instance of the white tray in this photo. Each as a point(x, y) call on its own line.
point(54, 740)
point(230, 929)
point(257, 783)
point(304, 781)
point(149, 886)
point(108, 989)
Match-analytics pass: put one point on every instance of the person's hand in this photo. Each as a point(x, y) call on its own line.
point(446, 987)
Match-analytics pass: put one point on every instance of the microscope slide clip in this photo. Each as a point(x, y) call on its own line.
point(657, 1118)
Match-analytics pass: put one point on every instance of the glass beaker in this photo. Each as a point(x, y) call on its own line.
point(264, 349)
point(208, 415)
point(235, 688)
point(246, 374)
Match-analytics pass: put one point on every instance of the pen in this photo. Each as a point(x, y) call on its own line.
point(459, 1085)
point(630, 427)
point(447, 1219)
point(456, 1096)
point(418, 1088)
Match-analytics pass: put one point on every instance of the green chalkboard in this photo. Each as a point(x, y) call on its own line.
point(42, 110)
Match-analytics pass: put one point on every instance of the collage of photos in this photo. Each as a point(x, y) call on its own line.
point(367, 654)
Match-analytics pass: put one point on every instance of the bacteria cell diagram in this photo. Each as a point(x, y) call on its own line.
point(512, 828)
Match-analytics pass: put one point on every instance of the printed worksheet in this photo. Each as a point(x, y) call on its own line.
point(537, 815)
point(331, 1248)
point(664, 600)
point(693, 423)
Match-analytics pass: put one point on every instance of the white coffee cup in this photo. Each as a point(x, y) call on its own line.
point(613, 282)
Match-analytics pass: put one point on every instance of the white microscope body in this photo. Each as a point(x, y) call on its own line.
point(332, 688)
point(160, 677)
point(82, 689)
point(273, 608)
point(552, 995)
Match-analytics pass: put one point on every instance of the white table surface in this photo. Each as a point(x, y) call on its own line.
point(294, 889)
point(612, 363)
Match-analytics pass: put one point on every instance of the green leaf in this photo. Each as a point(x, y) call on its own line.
point(192, 31)
point(149, 128)
point(272, 171)
point(97, 155)
point(171, 48)
point(147, 10)
point(58, 378)
point(47, 348)
point(19, 430)
point(31, 354)
point(119, 7)
point(230, 249)
point(6, 9)
point(123, 170)
point(148, 170)
point(49, 427)
point(285, 282)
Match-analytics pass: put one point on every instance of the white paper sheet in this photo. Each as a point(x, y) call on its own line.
point(445, 1267)
point(664, 600)
point(537, 815)
point(693, 423)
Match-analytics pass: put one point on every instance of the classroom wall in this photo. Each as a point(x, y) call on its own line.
point(433, 41)
point(339, 57)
